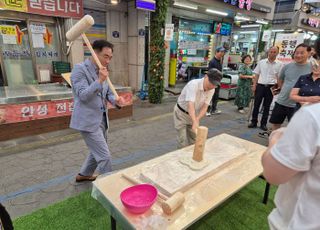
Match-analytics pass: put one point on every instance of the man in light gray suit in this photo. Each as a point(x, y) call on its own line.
point(90, 115)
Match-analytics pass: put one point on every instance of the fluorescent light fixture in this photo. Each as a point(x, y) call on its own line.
point(280, 30)
point(250, 26)
point(314, 37)
point(248, 32)
point(241, 18)
point(217, 12)
point(261, 22)
point(11, 20)
point(114, 2)
point(310, 32)
point(186, 5)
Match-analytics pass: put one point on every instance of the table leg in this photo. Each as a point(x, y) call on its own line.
point(113, 223)
point(266, 193)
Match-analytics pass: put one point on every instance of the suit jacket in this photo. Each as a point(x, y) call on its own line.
point(90, 97)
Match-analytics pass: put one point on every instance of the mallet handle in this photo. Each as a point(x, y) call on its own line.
point(86, 40)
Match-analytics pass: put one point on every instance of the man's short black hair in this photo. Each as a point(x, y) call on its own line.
point(100, 44)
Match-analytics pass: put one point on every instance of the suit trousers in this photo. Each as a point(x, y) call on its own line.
point(263, 92)
point(99, 157)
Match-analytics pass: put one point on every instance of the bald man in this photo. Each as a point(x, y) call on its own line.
point(266, 75)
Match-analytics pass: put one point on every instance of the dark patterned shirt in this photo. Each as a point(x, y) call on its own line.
point(307, 86)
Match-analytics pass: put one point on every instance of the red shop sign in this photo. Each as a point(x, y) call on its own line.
point(57, 8)
point(13, 113)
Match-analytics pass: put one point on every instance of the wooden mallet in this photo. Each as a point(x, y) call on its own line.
point(168, 205)
point(79, 29)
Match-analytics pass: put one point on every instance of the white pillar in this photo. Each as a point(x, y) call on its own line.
point(136, 45)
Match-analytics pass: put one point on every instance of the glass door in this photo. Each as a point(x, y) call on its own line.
point(16, 60)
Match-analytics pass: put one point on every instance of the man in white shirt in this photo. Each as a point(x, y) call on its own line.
point(192, 105)
point(267, 72)
point(293, 161)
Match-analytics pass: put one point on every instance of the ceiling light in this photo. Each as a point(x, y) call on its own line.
point(114, 2)
point(280, 30)
point(250, 26)
point(186, 5)
point(240, 18)
point(11, 20)
point(217, 12)
point(262, 22)
point(248, 32)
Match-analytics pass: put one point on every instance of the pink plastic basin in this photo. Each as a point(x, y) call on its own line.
point(139, 198)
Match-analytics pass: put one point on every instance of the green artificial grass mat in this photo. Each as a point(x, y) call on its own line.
point(243, 210)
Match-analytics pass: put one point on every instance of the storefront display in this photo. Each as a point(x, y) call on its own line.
point(243, 42)
point(32, 54)
point(42, 104)
point(192, 46)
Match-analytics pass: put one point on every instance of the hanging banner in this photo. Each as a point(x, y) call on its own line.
point(9, 39)
point(38, 28)
point(168, 34)
point(287, 44)
point(15, 5)
point(56, 8)
point(242, 4)
point(8, 30)
point(266, 36)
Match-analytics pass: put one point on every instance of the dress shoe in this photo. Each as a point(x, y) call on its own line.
point(81, 178)
point(264, 127)
point(252, 125)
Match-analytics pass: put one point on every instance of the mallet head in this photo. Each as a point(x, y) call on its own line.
point(80, 27)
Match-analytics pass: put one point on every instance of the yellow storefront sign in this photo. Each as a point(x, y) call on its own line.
point(8, 30)
point(16, 5)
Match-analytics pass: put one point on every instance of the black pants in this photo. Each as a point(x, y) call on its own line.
point(263, 92)
point(214, 100)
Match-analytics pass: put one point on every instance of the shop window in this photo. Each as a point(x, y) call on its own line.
point(16, 59)
point(97, 31)
point(46, 48)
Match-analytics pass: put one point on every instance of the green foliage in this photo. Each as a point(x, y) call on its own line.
point(157, 52)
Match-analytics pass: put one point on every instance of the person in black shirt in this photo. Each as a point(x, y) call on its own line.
point(216, 62)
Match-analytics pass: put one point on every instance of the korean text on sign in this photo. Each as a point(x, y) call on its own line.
point(60, 8)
